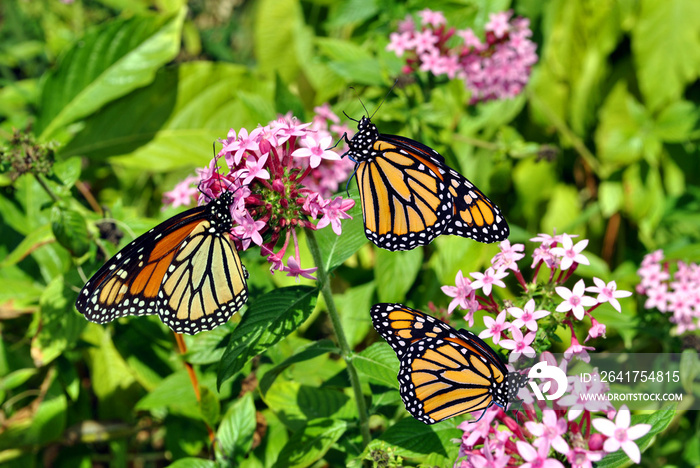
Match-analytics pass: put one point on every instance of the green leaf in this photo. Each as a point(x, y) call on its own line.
point(209, 406)
point(352, 11)
point(276, 32)
point(311, 351)
point(268, 319)
point(286, 101)
point(336, 249)
point(311, 443)
point(659, 421)
point(49, 421)
point(16, 378)
point(415, 439)
point(562, 210)
point(112, 381)
point(690, 368)
point(574, 61)
point(207, 348)
point(610, 196)
point(530, 173)
point(60, 324)
point(175, 392)
point(70, 229)
point(378, 364)
point(172, 122)
point(29, 244)
point(68, 171)
point(395, 273)
point(352, 62)
point(235, 434)
point(110, 61)
point(295, 403)
point(676, 121)
point(193, 462)
point(623, 130)
point(666, 49)
point(353, 305)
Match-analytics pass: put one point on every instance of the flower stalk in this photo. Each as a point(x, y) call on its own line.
point(345, 351)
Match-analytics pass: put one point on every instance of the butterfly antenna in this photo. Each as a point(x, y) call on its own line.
point(346, 115)
point(386, 96)
point(362, 103)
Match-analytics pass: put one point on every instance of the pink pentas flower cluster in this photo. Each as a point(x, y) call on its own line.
point(677, 292)
point(515, 328)
point(283, 176)
point(496, 68)
point(556, 436)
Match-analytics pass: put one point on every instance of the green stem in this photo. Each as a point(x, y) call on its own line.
point(46, 188)
point(345, 351)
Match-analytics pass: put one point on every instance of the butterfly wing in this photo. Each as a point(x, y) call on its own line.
point(402, 326)
point(186, 269)
point(410, 196)
point(474, 215)
point(444, 372)
point(440, 379)
point(404, 194)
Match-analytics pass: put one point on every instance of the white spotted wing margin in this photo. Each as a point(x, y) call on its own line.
point(443, 372)
point(186, 270)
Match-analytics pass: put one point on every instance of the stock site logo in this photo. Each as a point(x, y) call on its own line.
point(547, 373)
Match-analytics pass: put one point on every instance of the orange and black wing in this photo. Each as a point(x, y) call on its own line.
point(444, 372)
point(409, 195)
point(474, 215)
point(404, 195)
point(186, 270)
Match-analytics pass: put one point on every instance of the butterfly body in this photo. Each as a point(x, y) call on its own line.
point(444, 372)
point(186, 270)
point(409, 195)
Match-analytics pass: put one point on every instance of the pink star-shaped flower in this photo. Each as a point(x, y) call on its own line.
point(248, 230)
point(243, 143)
point(581, 458)
point(498, 23)
point(574, 300)
point(519, 344)
point(470, 39)
point(182, 194)
point(461, 292)
point(400, 42)
point(255, 169)
point(577, 349)
point(597, 330)
point(570, 253)
point(316, 150)
point(621, 435)
point(494, 328)
point(608, 293)
point(508, 256)
point(333, 212)
point(549, 431)
point(294, 268)
point(536, 458)
point(527, 316)
point(434, 18)
point(425, 41)
point(487, 280)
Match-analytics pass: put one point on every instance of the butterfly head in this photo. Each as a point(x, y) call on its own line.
point(515, 381)
point(220, 212)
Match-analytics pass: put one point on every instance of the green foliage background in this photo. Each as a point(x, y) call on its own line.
point(132, 93)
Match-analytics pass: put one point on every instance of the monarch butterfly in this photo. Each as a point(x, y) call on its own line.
point(444, 372)
point(410, 195)
point(186, 270)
